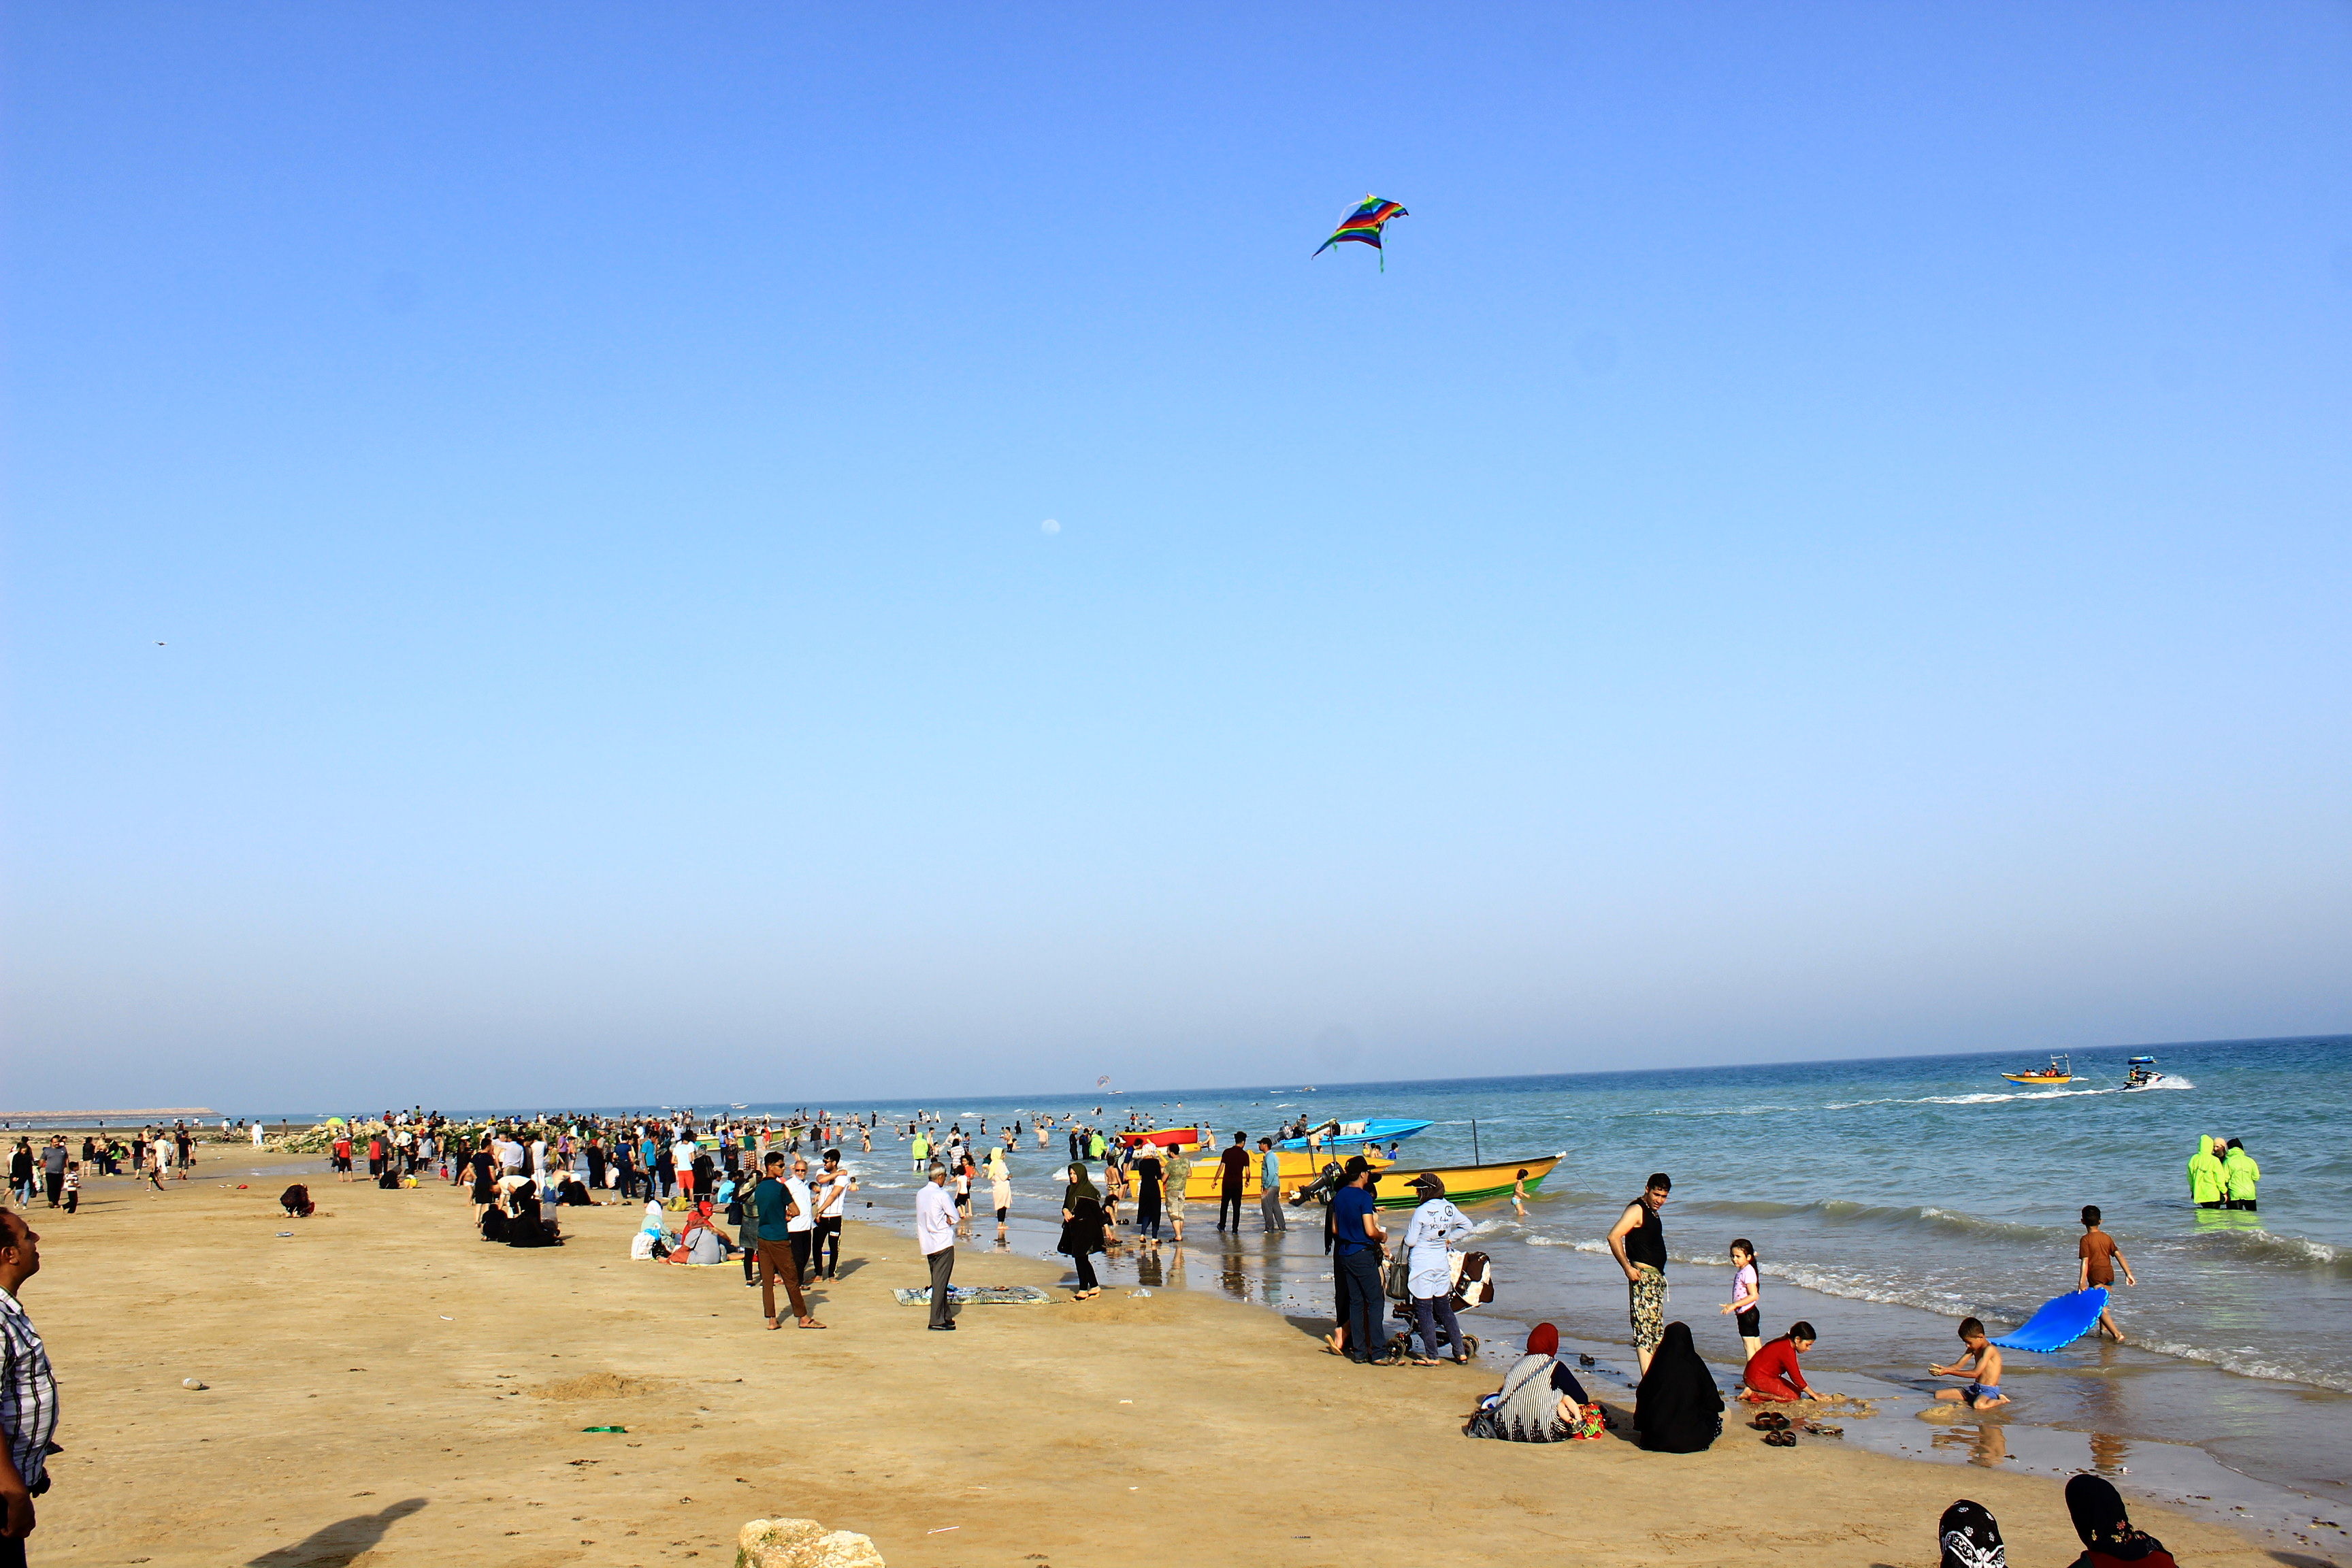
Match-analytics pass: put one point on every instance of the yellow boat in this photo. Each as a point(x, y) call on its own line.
point(2059, 1070)
point(1464, 1184)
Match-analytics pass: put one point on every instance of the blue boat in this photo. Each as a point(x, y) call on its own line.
point(1378, 1129)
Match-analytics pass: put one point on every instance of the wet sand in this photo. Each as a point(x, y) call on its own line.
point(385, 1389)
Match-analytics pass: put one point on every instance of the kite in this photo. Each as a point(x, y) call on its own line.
point(1364, 224)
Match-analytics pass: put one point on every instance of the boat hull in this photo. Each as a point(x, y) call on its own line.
point(2039, 1077)
point(1464, 1184)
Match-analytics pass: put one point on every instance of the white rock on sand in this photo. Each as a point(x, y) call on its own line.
point(803, 1543)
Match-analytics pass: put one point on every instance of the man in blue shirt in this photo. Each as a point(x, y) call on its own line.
point(1356, 1238)
point(1269, 1186)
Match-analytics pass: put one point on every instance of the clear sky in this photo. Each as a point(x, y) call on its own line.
point(529, 578)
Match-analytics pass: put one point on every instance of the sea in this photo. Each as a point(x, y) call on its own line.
point(1888, 1199)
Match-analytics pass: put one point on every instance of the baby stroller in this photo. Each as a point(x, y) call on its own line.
point(1474, 1286)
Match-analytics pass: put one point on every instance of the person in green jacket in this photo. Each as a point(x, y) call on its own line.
point(2206, 1182)
point(2239, 1172)
point(922, 1151)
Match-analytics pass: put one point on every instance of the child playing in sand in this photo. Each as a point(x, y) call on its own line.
point(1773, 1375)
point(1980, 1366)
point(1747, 1296)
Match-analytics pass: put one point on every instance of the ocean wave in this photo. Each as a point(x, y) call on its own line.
point(1844, 1212)
point(2271, 1247)
point(2246, 1361)
point(1718, 1110)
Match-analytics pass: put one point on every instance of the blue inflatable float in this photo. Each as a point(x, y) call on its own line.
point(2059, 1323)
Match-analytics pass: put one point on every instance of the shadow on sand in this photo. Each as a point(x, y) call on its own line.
point(334, 1545)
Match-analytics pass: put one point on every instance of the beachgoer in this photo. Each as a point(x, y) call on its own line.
point(1747, 1296)
point(1638, 1242)
point(295, 1201)
point(2100, 1259)
point(1429, 1238)
point(1540, 1400)
point(28, 1391)
point(1269, 1188)
point(1150, 1180)
point(2105, 1528)
point(1966, 1537)
point(2240, 1176)
point(2207, 1182)
point(1677, 1408)
point(1081, 1231)
point(769, 1214)
point(53, 1168)
point(1177, 1175)
point(833, 1187)
point(935, 1237)
point(73, 1187)
point(999, 1188)
point(1773, 1375)
point(1980, 1366)
point(802, 1232)
point(1355, 1248)
point(1519, 1194)
point(1232, 1178)
point(701, 1242)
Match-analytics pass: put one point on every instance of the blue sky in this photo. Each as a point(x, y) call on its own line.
point(526, 574)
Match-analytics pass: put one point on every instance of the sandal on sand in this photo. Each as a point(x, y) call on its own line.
point(1423, 1361)
point(1821, 1430)
point(1771, 1421)
point(1781, 1439)
point(812, 1324)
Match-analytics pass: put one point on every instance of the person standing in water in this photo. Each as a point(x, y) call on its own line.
point(2099, 1261)
point(1638, 1242)
point(2240, 1177)
point(1747, 1296)
point(2206, 1182)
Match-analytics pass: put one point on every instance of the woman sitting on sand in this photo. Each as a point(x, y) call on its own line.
point(701, 1241)
point(1678, 1409)
point(1540, 1400)
point(1082, 1230)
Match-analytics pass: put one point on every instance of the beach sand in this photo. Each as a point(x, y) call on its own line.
point(386, 1389)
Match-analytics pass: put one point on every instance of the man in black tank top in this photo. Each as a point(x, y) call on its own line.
point(1638, 1242)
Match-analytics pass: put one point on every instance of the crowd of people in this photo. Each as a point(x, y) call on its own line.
point(774, 1196)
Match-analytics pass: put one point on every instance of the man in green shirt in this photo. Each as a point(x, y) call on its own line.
point(767, 1214)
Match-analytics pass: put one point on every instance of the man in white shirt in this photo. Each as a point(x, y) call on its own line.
point(835, 1186)
point(935, 1234)
point(681, 1157)
point(803, 1224)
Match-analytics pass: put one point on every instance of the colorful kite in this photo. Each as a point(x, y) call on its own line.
point(1364, 224)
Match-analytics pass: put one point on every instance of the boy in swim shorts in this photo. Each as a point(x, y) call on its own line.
point(1981, 1367)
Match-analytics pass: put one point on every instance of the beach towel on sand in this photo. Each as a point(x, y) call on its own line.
point(975, 1296)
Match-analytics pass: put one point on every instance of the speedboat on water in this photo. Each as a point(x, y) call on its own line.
point(1378, 1129)
point(2059, 1070)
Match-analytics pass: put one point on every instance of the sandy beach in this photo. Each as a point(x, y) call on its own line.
point(385, 1389)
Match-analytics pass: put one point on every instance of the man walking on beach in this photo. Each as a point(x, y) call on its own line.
point(1269, 1187)
point(53, 1167)
point(1638, 1242)
point(29, 1393)
point(1233, 1177)
point(769, 1215)
point(935, 1235)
